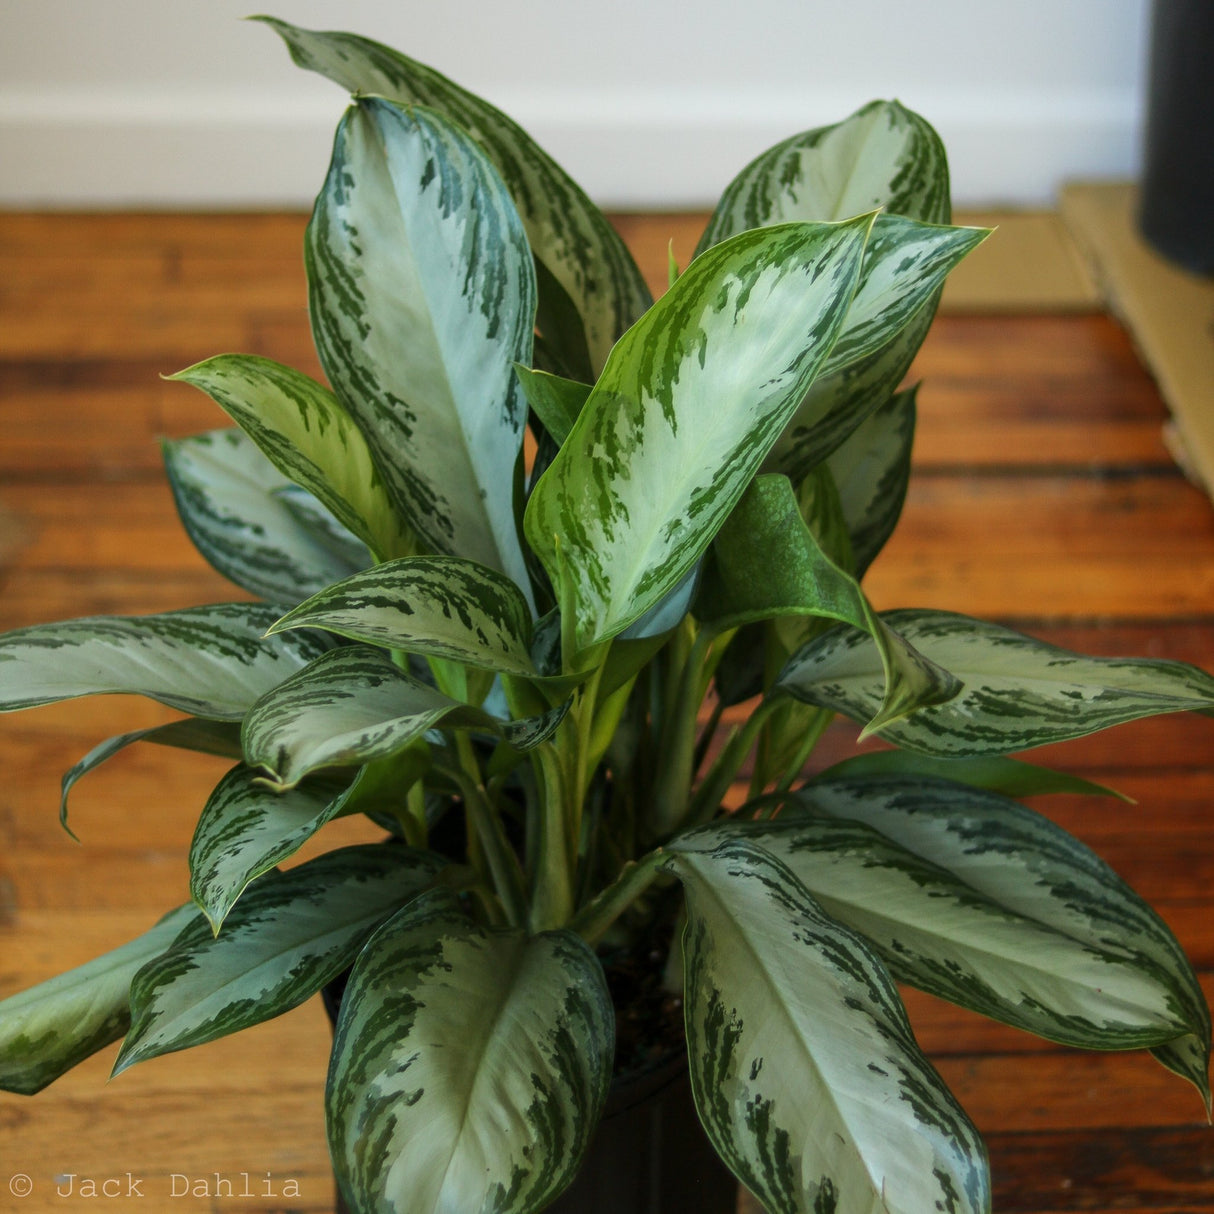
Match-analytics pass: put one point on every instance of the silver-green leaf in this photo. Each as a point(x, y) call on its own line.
point(213, 662)
point(422, 295)
point(469, 1065)
point(804, 1068)
point(355, 705)
point(245, 829)
point(227, 496)
point(1104, 972)
point(584, 265)
point(302, 428)
point(290, 934)
point(47, 1029)
point(442, 607)
point(1017, 693)
point(683, 414)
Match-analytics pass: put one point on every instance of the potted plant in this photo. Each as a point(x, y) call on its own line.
point(513, 567)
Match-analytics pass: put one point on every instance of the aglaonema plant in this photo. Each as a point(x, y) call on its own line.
point(519, 665)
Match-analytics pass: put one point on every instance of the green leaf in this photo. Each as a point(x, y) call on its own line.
point(47, 1029)
point(580, 252)
point(1017, 692)
point(683, 414)
point(301, 427)
point(805, 1070)
point(442, 607)
point(423, 298)
point(245, 830)
point(212, 662)
point(994, 773)
point(905, 265)
point(871, 470)
point(766, 562)
point(556, 401)
point(226, 494)
point(205, 737)
point(290, 934)
point(1036, 930)
point(354, 705)
point(884, 155)
point(469, 1065)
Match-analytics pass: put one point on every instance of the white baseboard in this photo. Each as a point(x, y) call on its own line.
point(166, 150)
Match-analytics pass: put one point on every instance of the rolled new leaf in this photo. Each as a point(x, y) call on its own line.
point(590, 287)
point(290, 934)
point(1105, 971)
point(805, 1071)
point(422, 293)
point(227, 495)
point(469, 1065)
point(355, 705)
point(49, 1028)
point(441, 607)
point(1017, 693)
point(302, 428)
point(213, 662)
point(684, 412)
point(767, 563)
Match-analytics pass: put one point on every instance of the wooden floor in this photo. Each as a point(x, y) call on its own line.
point(1044, 498)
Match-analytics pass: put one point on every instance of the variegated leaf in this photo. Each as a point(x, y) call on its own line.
point(584, 266)
point(290, 934)
point(766, 562)
point(47, 1029)
point(245, 829)
point(354, 705)
point(469, 1065)
point(905, 265)
point(442, 607)
point(683, 414)
point(324, 527)
point(805, 1070)
point(212, 662)
point(871, 470)
point(423, 298)
point(301, 427)
point(555, 401)
point(1142, 988)
point(225, 491)
point(1114, 985)
point(884, 155)
point(220, 738)
point(1017, 692)
point(994, 773)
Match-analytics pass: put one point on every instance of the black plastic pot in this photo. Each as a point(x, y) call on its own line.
point(1177, 200)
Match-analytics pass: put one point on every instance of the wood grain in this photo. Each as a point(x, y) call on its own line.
point(1043, 498)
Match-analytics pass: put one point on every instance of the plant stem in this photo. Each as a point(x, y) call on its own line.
point(482, 818)
point(672, 788)
point(594, 919)
point(708, 797)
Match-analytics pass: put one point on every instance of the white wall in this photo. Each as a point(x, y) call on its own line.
point(647, 102)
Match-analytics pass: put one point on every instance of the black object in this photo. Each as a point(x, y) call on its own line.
point(1177, 207)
